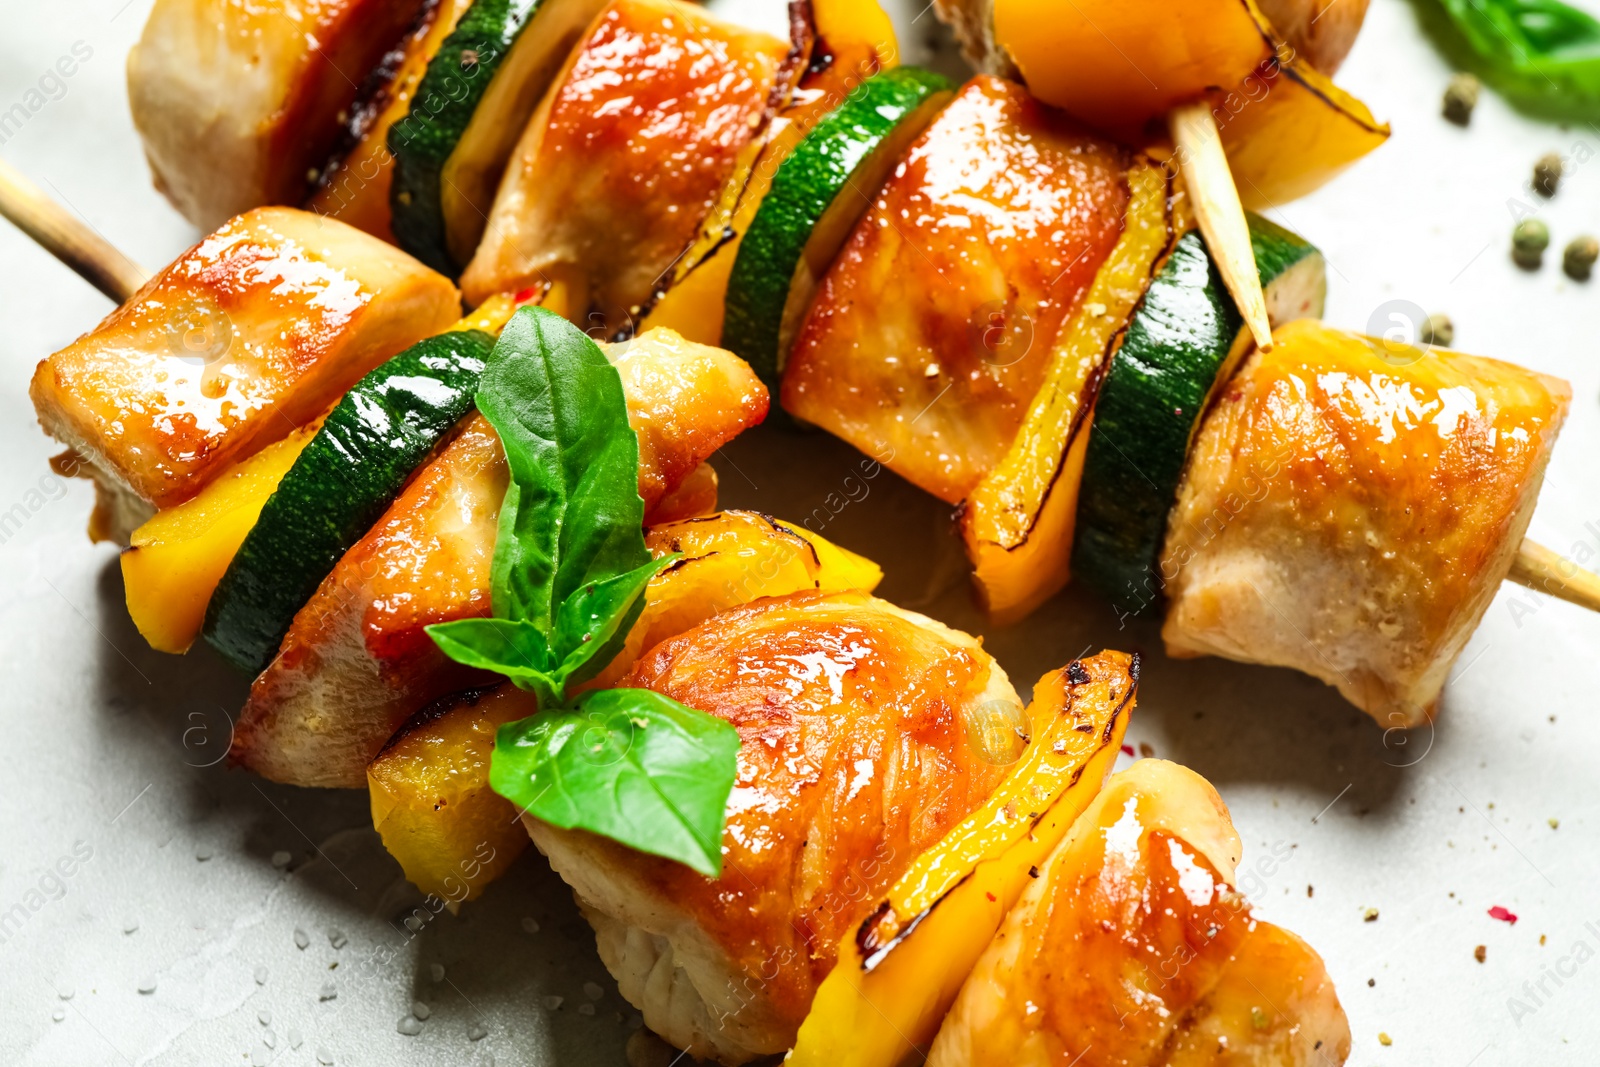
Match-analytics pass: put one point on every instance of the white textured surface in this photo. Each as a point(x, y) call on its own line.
point(1431, 831)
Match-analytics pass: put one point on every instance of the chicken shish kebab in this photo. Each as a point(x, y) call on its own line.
point(686, 708)
point(516, 139)
point(1024, 320)
point(477, 85)
point(312, 537)
point(879, 869)
point(983, 379)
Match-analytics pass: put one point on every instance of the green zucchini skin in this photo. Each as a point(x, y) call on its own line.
point(810, 179)
point(1153, 395)
point(349, 473)
point(441, 109)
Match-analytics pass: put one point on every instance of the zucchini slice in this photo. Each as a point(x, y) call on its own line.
point(338, 487)
point(1185, 337)
point(818, 195)
point(466, 117)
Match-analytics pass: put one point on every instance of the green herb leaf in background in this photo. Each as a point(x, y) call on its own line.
point(631, 764)
point(1542, 54)
point(567, 584)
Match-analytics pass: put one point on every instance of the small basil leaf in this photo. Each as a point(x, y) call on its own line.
point(630, 764)
point(592, 624)
point(573, 513)
point(516, 649)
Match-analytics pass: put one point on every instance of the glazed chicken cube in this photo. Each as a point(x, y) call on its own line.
point(625, 157)
point(1350, 511)
point(854, 759)
point(1133, 948)
point(253, 332)
point(932, 331)
point(357, 662)
point(239, 102)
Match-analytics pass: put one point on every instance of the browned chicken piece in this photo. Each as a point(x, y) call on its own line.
point(1273, 1006)
point(625, 157)
point(1132, 948)
point(931, 332)
point(253, 332)
point(239, 103)
point(357, 663)
point(854, 760)
point(1323, 31)
point(1350, 511)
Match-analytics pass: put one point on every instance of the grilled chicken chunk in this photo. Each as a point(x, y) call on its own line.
point(854, 760)
point(625, 156)
point(931, 332)
point(1132, 948)
point(253, 332)
point(239, 102)
point(1350, 511)
point(1323, 31)
point(357, 663)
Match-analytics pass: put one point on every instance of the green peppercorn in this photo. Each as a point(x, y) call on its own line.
point(1460, 97)
point(1578, 259)
point(1547, 174)
point(1437, 329)
point(1528, 242)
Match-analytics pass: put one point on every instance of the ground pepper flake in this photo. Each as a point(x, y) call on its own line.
point(1505, 916)
point(1127, 750)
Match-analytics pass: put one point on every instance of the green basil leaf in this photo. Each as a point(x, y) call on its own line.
point(631, 764)
point(514, 648)
point(1542, 54)
point(572, 514)
point(593, 623)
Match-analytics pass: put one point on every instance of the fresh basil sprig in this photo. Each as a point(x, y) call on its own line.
point(1543, 54)
point(567, 584)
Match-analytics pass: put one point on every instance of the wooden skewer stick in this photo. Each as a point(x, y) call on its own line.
point(1544, 571)
point(114, 274)
point(1218, 211)
point(67, 237)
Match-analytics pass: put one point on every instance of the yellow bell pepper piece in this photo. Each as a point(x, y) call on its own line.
point(1121, 64)
point(1018, 523)
point(860, 40)
point(1116, 64)
point(358, 190)
point(176, 559)
point(884, 1000)
point(857, 34)
point(431, 801)
point(729, 559)
point(1303, 132)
